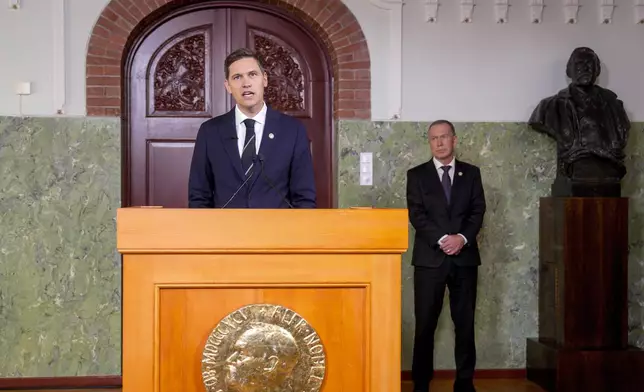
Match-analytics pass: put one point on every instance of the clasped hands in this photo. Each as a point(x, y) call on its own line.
point(452, 244)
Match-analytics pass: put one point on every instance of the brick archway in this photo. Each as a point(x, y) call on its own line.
point(331, 20)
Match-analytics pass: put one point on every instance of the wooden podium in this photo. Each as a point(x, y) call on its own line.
point(184, 270)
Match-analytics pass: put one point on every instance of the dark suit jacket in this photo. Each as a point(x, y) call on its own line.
point(432, 217)
point(216, 169)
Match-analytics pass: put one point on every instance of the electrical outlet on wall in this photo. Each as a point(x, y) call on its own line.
point(23, 88)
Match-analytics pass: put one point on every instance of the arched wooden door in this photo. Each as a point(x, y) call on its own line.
point(175, 82)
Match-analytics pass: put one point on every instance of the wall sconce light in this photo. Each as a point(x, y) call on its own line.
point(14, 4)
point(431, 11)
point(571, 8)
point(501, 8)
point(639, 11)
point(536, 11)
point(467, 9)
point(606, 8)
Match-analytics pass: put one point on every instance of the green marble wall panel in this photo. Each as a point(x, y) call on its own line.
point(59, 271)
point(60, 274)
point(517, 166)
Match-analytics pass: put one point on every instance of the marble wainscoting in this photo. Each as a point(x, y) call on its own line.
point(60, 273)
point(60, 280)
point(517, 166)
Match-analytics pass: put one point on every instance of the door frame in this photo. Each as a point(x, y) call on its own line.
point(141, 32)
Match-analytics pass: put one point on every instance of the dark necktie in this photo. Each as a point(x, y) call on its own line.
point(447, 184)
point(248, 152)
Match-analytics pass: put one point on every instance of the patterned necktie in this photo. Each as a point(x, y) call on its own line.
point(248, 152)
point(447, 184)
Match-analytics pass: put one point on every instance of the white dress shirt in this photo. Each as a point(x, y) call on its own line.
point(260, 121)
point(450, 172)
point(438, 165)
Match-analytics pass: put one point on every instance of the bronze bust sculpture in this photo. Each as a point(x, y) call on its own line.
point(591, 128)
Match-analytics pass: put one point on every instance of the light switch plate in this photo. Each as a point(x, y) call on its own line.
point(366, 168)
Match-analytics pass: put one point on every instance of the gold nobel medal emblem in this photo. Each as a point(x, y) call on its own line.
point(263, 348)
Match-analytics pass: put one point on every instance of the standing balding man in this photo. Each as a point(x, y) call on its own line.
point(446, 207)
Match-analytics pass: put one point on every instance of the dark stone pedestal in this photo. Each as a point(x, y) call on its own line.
point(583, 307)
point(572, 370)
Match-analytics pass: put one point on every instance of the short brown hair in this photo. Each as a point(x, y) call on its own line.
point(242, 53)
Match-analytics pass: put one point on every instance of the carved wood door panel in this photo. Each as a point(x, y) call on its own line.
point(173, 89)
point(176, 83)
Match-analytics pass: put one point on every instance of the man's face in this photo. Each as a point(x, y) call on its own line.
point(245, 369)
point(246, 83)
point(583, 69)
point(442, 141)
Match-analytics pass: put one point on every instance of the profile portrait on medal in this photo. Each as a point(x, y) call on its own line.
point(262, 360)
point(263, 348)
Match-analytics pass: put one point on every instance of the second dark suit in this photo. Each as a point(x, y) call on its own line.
point(282, 171)
point(432, 217)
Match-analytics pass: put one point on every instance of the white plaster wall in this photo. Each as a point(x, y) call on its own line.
point(376, 28)
point(482, 71)
point(81, 18)
point(26, 55)
point(27, 41)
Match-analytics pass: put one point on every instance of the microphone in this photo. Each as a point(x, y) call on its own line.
point(261, 162)
point(242, 185)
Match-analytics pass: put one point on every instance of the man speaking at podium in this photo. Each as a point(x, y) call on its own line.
point(252, 156)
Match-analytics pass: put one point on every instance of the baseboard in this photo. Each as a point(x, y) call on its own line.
point(104, 382)
point(479, 373)
point(97, 382)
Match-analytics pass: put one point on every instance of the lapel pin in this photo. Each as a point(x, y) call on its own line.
point(270, 136)
point(460, 173)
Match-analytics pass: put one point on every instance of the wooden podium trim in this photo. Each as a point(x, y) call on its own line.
point(157, 308)
point(146, 275)
point(277, 231)
point(99, 382)
point(367, 315)
point(115, 381)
